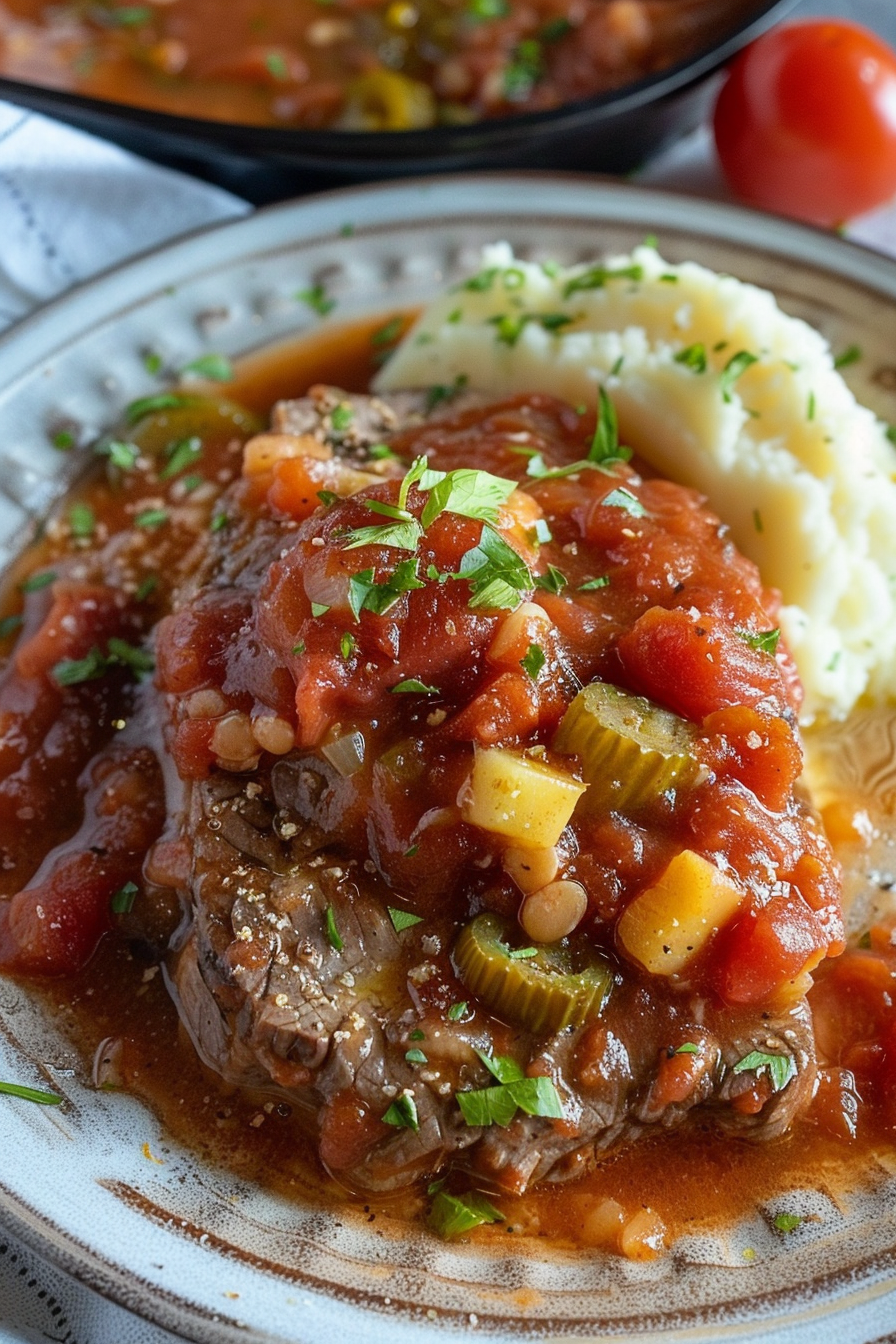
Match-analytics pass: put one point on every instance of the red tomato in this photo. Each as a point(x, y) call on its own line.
point(806, 123)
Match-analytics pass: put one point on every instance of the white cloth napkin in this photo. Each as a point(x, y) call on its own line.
point(70, 206)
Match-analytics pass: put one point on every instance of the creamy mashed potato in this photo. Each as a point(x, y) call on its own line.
point(804, 476)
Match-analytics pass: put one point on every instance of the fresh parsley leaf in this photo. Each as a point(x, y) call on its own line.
point(483, 281)
point(553, 581)
point(780, 1068)
point(81, 520)
point(765, 641)
point(364, 593)
point(319, 609)
point(554, 29)
point(161, 401)
point(522, 953)
point(498, 1105)
point(693, 357)
point(63, 440)
point(533, 661)
point(122, 902)
point(624, 499)
point(341, 417)
point(488, 9)
point(457, 1011)
point(151, 518)
point(453, 1215)
point(496, 574)
point(510, 326)
point(218, 522)
point(591, 585)
point(411, 686)
point(147, 587)
point(487, 1106)
point(152, 361)
point(122, 654)
point(523, 71)
point(502, 1067)
point(605, 443)
point(787, 1222)
point(687, 1048)
point(181, 454)
point(597, 276)
point(333, 936)
point(317, 300)
point(388, 333)
point(275, 64)
point(120, 454)
point(446, 391)
point(467, 493)
point(810, 406)
point(402, 919)
point(417, 1035)
point(298, 649)
point(347, 645)
point(378, 452)
point(736, 365)
point(415, 1057)
point(35, 582)
point(51, 1099)
point(402, 536)
point(850, 355)
point(216, 368)
point(9, 625)
point(72, 671)
point(403, 1113)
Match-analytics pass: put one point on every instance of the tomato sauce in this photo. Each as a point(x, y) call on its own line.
point(356, 65)
point(670, 624)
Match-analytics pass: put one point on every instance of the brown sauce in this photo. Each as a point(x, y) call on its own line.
point(692, 1179)
point(386, 65)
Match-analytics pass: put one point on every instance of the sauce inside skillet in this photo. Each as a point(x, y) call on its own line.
point(353, 64)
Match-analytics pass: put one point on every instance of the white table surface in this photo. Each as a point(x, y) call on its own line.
point(38, 1304)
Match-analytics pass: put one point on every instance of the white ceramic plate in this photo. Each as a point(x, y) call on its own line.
point(186, 1244)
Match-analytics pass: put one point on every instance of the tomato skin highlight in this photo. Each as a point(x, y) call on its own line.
point(806, 123)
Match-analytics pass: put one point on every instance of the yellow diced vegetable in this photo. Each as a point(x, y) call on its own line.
point(666, 925)
point(264, 451)
point(526, 800)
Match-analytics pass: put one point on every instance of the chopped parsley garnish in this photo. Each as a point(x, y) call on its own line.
point(38, 581)
point(403, 1113)
point(693, 357)
point(510, 326)
point(9, 625)
point(850, 355)
point(417, 1035)
point(736, 365)
point(152, 361)
point(765, 641)
point(624, 499)
point(533, 660)
point(328, 498)
point(120, 454)
point(496, 574)
point(147, 587)
point(540, 532)
point(890, 433)
point(411, 686)
point(787, 1222)
point(415, 1056)
point(347, 645)
point(411, 851)
point(402, 919)
point(453, 1215)
point(81, 520)
point(30, 1094)
point(554, 29)
point(488, 9)
point(219, 521)
point(604, 452)
point(523, 71)
point(401, 535)
point(457, 1011)
point(179, 455)
point(275, 64)
point(810, 406)
point(483, 281)
point(591, 585)
point(687, 1048)
point(151, 518)
point(757, 521)
point(597, 276)
point(364, 593)
point(317, 300)
point(617, 367)
point(553, 581)
point(499, 1104)
point(447, 391)
point(465, 492)
point(64, 440)
point(388, 333)
point(298, 649)
point(126, 16)
point(780, 1068)
point(161, 401)
point(377, 452)
point(122, 902)
point(341, 417)
point(522, 953)
point(333, 936)
point(319, 609)
point(95, 664)
point(216, 368)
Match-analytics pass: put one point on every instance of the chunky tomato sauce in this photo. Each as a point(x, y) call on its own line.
point(626, 582)
point(353, 64)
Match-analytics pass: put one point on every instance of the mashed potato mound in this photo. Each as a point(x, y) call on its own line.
point(717, 388)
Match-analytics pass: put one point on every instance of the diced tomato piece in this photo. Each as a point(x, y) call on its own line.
point(505, 711)
point(347, 1130)
point(192, 645)
point(192, 748)
point(81, 615)
point(767, 948)
point(760, 751)
point(696, 665)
